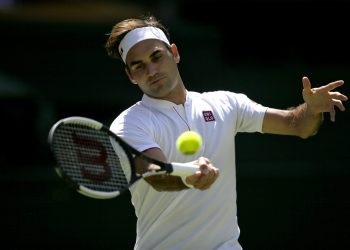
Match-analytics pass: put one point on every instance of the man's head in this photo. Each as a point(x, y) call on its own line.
point(150, 60)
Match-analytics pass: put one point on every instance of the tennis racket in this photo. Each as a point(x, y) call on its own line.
point(98, 163)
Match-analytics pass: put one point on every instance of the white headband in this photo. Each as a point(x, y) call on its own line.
point(137, 35)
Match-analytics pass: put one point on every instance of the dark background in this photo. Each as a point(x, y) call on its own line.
point(292, 193)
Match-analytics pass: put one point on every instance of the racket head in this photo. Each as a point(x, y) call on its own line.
point(87, 160)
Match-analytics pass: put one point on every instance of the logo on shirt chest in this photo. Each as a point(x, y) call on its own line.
point(208, 116)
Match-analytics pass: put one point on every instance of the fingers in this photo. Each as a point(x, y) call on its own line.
point(338, 96)
point(331, 108)
point(206, 175)
point(332, 114)
point(333, 85)
point(203, 164)
point(324, 98)
point(337, 100)
point(339, 104)
point(327, 87)
point(330, 86)
point(206, 180)
point(306, 85)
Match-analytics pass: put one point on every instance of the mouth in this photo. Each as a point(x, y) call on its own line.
point(155, 81)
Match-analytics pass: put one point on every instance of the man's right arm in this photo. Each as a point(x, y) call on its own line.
point(202, 179)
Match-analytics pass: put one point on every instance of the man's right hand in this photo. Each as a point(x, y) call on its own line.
point(205, 176)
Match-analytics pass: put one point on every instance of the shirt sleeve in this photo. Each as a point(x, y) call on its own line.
point(249, 114)
point(135, 128)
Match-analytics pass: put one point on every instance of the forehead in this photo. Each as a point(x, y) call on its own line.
point(144, 49)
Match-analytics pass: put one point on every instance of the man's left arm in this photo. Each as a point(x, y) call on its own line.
point(305, 120)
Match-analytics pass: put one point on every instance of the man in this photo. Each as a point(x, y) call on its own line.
point(197, 212)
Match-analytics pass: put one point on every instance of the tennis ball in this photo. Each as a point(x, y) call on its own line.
point(189, 142)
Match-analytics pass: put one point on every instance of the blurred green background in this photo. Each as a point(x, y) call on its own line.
point(292, 193)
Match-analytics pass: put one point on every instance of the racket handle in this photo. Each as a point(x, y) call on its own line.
point(184, 169)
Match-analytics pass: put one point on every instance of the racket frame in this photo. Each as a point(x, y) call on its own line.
point(181, 169)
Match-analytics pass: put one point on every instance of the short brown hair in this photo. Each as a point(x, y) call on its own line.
point(122, 28)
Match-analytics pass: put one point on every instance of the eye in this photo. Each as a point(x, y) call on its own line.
point(137, 67)
point(157, 56)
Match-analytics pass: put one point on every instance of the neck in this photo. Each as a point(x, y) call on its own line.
point(177, 95)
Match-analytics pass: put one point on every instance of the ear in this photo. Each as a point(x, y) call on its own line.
point(129, 76)
point(175, 52)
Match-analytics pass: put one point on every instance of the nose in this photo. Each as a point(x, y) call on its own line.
point(152, 69)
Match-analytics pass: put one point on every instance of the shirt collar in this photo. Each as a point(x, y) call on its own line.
point(161, 104)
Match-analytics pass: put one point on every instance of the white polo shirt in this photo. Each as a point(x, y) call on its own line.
point(189, 219)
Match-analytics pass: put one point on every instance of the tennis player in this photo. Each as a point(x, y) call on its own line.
point(197, 212)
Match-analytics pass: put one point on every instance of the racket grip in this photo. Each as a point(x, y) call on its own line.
point(184, 169)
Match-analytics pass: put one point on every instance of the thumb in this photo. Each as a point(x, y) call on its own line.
point(306, 85)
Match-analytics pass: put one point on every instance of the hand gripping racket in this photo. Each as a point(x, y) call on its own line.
point(97, 162)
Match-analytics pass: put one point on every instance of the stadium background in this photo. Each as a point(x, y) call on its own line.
point(292, 193)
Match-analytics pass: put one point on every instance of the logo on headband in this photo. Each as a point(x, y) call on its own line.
point(121, 51)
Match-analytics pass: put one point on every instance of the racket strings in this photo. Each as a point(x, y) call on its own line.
point(87, 157)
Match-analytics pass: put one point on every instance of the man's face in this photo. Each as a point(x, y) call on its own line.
point(153, 67)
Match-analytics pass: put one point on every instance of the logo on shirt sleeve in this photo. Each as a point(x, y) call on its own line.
point(208, 116)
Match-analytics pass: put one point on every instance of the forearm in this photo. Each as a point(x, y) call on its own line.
point(201, 179)
point(297, 121)
point(166, 182)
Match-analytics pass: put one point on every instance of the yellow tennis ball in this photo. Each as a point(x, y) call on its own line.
point(189, 142)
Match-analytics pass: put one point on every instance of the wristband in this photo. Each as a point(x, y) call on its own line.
point(184, 182)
